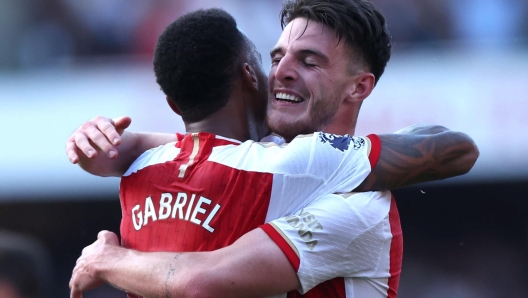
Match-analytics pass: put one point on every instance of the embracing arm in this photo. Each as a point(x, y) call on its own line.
point(102, 147)
point(253, 266)
point(420, 153)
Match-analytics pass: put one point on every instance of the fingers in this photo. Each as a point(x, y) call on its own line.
point(71, 150)
point(75, 283)
point(82, 143)
point(99, 133)
point(104, 133)
point(121, 124)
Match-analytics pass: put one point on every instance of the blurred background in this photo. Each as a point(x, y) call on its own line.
point(459, 63)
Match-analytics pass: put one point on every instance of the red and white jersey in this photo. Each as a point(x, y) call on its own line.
point(205, 191)
point(354, 236)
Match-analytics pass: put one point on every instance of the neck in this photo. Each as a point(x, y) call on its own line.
point(344, 122)
point(220, 123)
point(231, 121)
point(340, 129)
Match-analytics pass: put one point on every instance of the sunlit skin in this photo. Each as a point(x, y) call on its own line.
point(310, 63)
point(257, 122)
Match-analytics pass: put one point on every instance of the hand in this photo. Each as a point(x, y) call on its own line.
point(84, 275)
point(100, 132)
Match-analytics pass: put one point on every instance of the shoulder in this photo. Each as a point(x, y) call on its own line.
point(365, 209)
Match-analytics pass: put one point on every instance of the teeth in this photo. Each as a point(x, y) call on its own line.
point(288, 97)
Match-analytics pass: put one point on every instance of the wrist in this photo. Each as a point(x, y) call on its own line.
point(107, 263)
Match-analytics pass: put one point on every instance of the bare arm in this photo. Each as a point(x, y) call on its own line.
point(420, 153)
point(253, 266)
point(102, 147)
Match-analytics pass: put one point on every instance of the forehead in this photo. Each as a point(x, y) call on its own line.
point(302, 33)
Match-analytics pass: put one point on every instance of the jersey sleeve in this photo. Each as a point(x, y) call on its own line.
point(337, 236)
point(306, 169)
point(319, 164)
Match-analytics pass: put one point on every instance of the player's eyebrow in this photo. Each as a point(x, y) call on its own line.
point(276, 50)
point(303, 52)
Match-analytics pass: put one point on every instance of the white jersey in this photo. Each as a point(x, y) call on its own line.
point(356, 237)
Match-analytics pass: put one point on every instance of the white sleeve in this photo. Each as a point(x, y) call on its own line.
point(316, 165)
point(338, 236)
point(307, 168)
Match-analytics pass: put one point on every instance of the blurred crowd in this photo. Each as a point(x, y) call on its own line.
point(48, 32)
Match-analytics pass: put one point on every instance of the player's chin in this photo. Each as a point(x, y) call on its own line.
point(287, 128)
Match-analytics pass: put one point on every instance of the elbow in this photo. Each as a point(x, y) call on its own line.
point(471, 156)
point(467, 158)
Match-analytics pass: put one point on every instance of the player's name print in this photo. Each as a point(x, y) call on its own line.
point(305, 223)
point(182, 206)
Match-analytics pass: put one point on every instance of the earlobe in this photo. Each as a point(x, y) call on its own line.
point(173, 106)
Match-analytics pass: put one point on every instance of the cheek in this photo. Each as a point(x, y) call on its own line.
point(271, 75)
point(320, 84)
point(319, 91)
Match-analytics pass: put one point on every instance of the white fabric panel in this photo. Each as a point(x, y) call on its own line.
point(305, 169)
point(350, 235)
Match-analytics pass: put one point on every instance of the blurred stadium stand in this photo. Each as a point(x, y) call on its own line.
point(459, 63)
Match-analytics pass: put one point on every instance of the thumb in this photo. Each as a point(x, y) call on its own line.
point(122, 123)
point(108, 237)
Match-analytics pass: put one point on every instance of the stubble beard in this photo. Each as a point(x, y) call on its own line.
point(321, 114)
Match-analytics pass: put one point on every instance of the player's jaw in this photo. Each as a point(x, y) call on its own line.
point(290, 113)
point(286, 110)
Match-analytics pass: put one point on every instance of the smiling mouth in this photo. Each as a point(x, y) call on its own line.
point(284, 97)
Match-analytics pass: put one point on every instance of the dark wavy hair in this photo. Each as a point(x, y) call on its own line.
point(197, 60)
point(359, 22)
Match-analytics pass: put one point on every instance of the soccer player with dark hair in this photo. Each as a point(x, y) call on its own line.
point(202, 193)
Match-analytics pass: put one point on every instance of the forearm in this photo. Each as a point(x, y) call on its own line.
point(154, 274)
point(132, 145)
point(102, 165)
point(421, 153)
point(251, 267)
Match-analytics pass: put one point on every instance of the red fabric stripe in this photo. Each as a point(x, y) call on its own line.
point(283, 245)
point(179, 138)
point(186, 145)
point(396, 250)
point(375, 151)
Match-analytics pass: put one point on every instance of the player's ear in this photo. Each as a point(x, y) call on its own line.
point(250, 76)
point(361, 87)
point(173, 106)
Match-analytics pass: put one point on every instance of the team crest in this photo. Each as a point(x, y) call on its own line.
point(341, 143)
point(358, 143)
